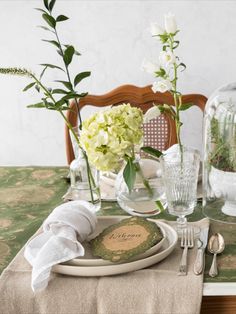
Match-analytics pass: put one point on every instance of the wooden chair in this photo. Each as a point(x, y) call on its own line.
point(159, 133)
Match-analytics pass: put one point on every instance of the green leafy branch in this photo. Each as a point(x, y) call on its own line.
point(66, 52)
point(50, 98)
point(168, 71)
point(133, 168)
point(169, 43)
point(222, 155)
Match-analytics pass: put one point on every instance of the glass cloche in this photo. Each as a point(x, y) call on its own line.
point(219, 170)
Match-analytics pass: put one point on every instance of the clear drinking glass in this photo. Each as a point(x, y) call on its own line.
point(180, 176)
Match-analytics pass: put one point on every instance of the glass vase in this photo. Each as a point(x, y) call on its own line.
point(219, 175)
point(147, 195)
point(84, 179)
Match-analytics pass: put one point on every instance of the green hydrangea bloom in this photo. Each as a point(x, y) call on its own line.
point(109, 135)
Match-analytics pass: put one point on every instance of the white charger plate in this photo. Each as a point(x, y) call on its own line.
point(107, 270)
point(103, 222)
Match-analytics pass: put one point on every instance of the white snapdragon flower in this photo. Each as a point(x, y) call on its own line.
point(170, 23)
point(161, 86)
point(155, 29)
point(166, 58)
point(152, 113)
point(150, 67)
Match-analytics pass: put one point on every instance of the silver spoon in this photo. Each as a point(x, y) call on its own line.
point(215, 246)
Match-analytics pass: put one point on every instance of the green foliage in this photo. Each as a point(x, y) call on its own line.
point(76, 52)
point(42, 73)
point(222, 155)
point(168, 109)
point(45, 28)
point(59, 91)
point(151, 151)
point(41, 10)
point(129, 173)
point(53, 42)
point(46, 4)
point(50, 98)
point(66, 84)
point(38, 105)
point(160, 206)
point(182, 65)
point(176, 44)
point(48, 65)
point(61, 18)
point(49, 19)
point(164, 38)
point(161, 73)
point(68, 55)
point(185, 106)
point(57, 98)
point(51, 5)
point(29, 86)
point(79, 77)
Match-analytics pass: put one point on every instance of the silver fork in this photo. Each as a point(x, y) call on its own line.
point(187, 242)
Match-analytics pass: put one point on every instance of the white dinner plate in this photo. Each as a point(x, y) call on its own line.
point(107, 270)
point(103, 222)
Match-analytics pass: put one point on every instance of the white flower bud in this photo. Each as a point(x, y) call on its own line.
point(155, 29)
point(170, 23)
point(150, 67)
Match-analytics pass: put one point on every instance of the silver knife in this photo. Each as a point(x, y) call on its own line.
point(200, 258)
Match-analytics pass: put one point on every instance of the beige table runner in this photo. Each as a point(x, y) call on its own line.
point(154, 290)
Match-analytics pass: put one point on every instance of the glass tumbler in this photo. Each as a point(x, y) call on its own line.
point(180, 176)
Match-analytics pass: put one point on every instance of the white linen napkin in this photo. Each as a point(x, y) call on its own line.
point(58, 242)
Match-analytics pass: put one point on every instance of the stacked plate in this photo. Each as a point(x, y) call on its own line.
point(89, 265)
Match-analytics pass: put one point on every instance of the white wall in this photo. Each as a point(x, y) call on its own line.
point(113, 38)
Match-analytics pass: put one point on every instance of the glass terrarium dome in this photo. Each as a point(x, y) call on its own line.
point(219, 170)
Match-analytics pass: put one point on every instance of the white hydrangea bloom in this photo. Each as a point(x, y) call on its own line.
point(110, 135)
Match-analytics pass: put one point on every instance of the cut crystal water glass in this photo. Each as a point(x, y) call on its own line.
point(180, 176)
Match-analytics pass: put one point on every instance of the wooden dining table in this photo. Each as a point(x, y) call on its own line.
point(29, 194)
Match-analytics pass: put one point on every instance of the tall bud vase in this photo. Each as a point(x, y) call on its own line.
point(84, 177)
point(85, 181)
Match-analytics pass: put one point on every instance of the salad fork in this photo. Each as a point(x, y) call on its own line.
point(187, 242)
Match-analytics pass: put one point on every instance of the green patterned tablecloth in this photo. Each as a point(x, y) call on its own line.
point(29, 194)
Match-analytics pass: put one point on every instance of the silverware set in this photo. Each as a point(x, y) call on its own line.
point(215, 245)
